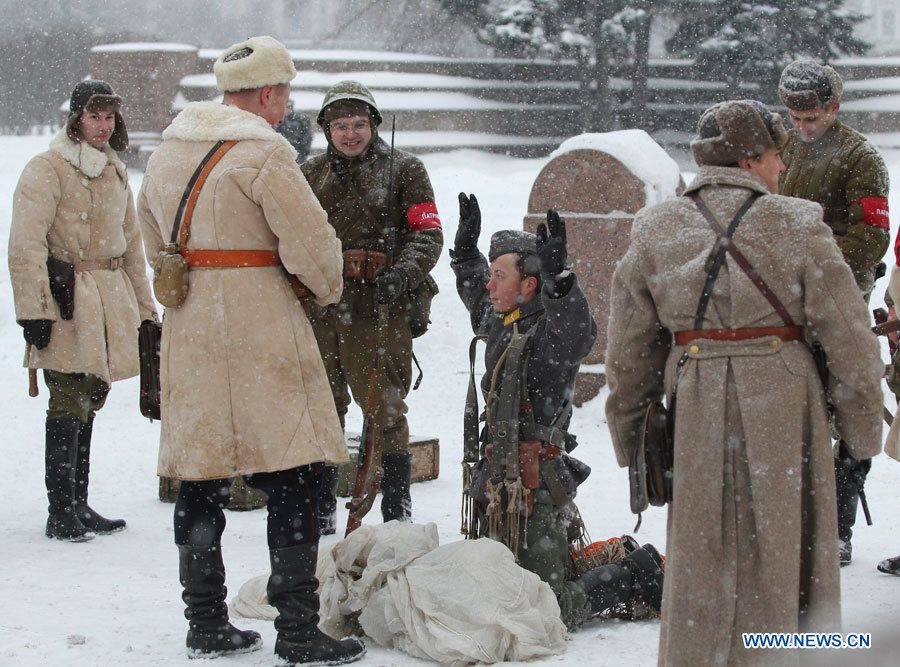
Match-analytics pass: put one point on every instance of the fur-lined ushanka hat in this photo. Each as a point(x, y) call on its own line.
point(92, 95)
point(257, 62)
point(737, 129)
point(806, 85)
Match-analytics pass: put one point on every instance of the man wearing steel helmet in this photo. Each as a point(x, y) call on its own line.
point(838, 168)
point(351, 182)
point(752, 532)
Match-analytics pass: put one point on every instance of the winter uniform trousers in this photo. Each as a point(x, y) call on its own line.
point(544, 548)
point(347, 343)
point(74, 395)
point(292, 507)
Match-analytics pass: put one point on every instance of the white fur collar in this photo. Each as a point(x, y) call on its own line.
point(85, 158)
point(213, 121)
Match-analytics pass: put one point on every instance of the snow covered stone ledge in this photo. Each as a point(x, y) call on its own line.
point(597, 182)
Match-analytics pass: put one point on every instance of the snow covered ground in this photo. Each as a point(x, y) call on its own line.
point(116, 600)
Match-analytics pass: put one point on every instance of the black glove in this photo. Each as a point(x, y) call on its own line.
point(856, 469)
point(390, 284)
point(551, 248)
point(466, 244)
point(37, 332)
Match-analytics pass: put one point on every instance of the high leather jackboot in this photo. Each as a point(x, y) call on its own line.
point(292, 591)
point(328, 501)
point(847, 504)
point(88, 516)
point(202, 575)
point(636, 579)
point(60, 454)
point(396, 502)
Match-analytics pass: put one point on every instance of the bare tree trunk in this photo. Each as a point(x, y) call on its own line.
point(641, 70)
point(598, 105)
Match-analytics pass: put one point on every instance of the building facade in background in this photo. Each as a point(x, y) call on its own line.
point(882, 28)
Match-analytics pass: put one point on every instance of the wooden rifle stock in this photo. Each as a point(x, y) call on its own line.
point(32, 374)
point(368, 461)
point(886, 327)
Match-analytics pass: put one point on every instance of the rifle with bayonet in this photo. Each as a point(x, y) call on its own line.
point(368, 463)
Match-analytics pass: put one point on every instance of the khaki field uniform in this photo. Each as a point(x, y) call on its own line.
point(845, 175)
point(354, 194)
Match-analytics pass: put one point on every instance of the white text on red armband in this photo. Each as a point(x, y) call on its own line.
point(422, 216)
point(875, 212)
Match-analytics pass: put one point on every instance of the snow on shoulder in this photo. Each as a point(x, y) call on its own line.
point(640, 154)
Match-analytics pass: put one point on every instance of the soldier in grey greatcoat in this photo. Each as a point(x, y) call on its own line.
point(752, 532)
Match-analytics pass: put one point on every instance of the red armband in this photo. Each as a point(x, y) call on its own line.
point(875, 212)
point(424, 216)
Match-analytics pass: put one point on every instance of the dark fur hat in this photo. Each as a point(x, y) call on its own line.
point(522, 243)
point(92, 94)
point(737, 129)
point(806, 85)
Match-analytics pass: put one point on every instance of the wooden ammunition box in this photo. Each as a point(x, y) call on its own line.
point(425, 466)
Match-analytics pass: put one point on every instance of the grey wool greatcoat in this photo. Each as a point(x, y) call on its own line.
point(244, 389)
point(74, 202)
point(752, 530)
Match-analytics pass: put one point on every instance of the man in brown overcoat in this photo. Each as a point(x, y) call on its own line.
point(752, 531)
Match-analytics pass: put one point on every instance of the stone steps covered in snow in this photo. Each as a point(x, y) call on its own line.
point(513, 106)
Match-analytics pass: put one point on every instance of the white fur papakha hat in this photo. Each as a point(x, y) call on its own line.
point(257, 62)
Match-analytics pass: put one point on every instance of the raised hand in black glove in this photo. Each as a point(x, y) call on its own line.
point(466, 244)
point(551, 248)
point(37, 332)
point(390, 284)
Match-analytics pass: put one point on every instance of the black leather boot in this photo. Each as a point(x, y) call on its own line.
point(647, 568)
point(849, 473)
point(396, 502)
point(60, 455)
point(607, 586)
point(292, 591)
point(635, 580)
point(89, 517)
point(328, 501)
point(890, 566)
point(202, 575)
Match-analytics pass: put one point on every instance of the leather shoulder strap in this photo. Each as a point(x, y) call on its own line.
point(742, 261)
point(722, 242)
point(181, 230)
point(471, 431)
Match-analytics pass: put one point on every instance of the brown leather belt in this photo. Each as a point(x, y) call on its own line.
point(112, 264)
point(784, 333)
point(363, 264)
point(230, 259)
point(239, 259)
